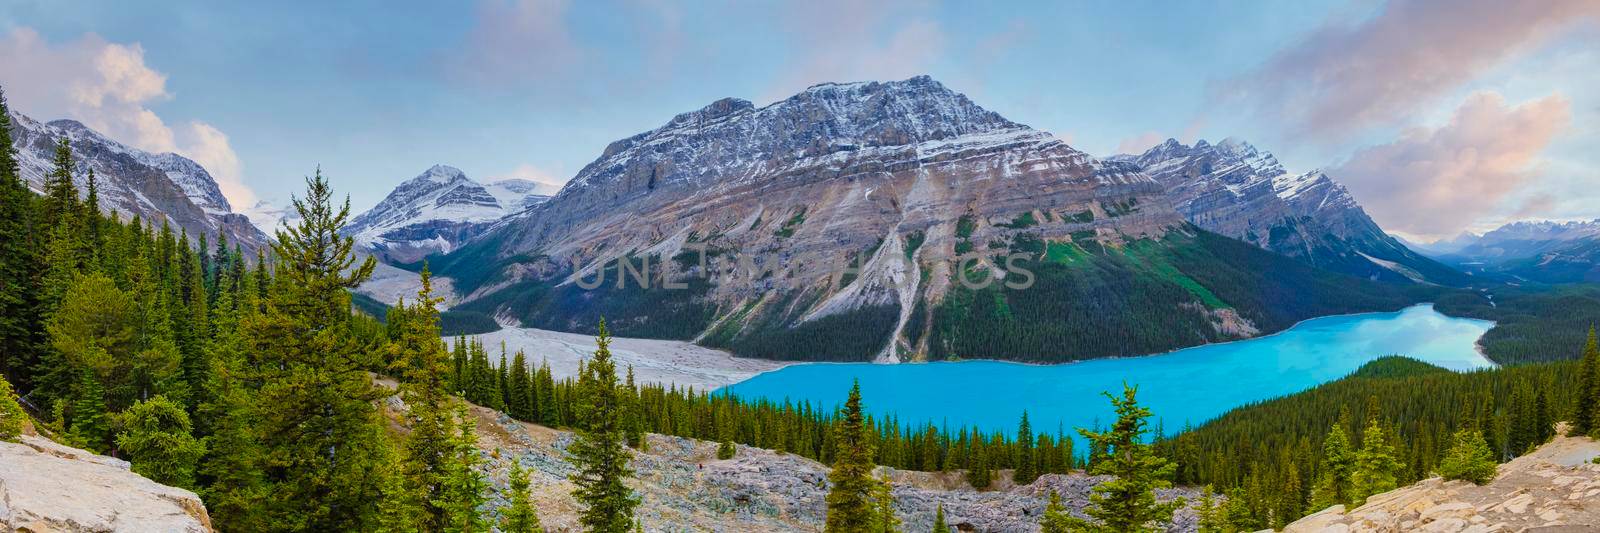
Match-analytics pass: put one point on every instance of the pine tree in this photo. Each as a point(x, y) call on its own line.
point(157, 436)
point(884, 520)
point(939, 525)
point(431, 457)
point(979, 475)
point(548, 415)
point(464, 486)
point(726, 450)
point(91, 427)
point(322, 436)
point(1377, 467)
point(850, 499)
point(21, 267)
point(1469, 458)
point(520, 388)
point(1128, 503)
point(520, 517)
point(1025, 471)
point(1587, 408)
point(1209, 514)
point(234, 454)
point(598, 456)
point(1338, 464)
point(60, 203)
point(11, 413)
point(1055, 518)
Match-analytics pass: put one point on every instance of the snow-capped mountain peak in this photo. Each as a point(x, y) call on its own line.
point(436, 210)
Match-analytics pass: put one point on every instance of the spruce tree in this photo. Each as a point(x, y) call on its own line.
point(1469, 458)
point(598, 455)
point(520, 389)
point(1587, 407)
point(520, 516)
point(979, 475)
point(1377, 467)
point(230, 413)
point(1209, 514)
point(157, 436)
point(850, 500)
point(322, 436)
point(1055, 519)
point(1128, 502)
point(431, 457)
point(884, 518)
point(939, 525)
point(1338, 465)
point(21, 267)
point(1025, 471)
point(465, 488)
point(91, 425)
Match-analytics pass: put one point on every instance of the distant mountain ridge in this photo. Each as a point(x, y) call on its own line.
point(131, 182)
point(437, 210)
point(1542, 251)
point(909, 176)
point(1239, 191)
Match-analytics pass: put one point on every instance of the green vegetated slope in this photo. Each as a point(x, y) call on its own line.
point(1087, 301)
point(1150, 296)
point(1273, 450)
point(1532, 324)
point(451, 323)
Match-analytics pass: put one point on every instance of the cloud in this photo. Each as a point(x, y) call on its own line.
point(842, 41)
point(1139, 143)
point(1343, 77)
point(109, 88)
point(1439, 181)
point(515, 42)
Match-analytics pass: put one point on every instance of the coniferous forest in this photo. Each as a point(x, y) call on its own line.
point(249, 377)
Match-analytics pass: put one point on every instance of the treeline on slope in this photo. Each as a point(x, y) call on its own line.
point(1273, 458)
point(1090, 301)
point(1532, 323)
point(529, 392)
point(252, 386)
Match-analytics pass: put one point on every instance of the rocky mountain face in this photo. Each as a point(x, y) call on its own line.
point(437, 210)
point(45, 486)
point(1237, 190)
point(133, 182)
point(754, 209)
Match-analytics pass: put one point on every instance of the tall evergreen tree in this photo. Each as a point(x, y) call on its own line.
point(322, 437)
point(1587, 407)
point(1128, 502)
point(599, 457)
point(850, 500)
point(939, 525)
point(431, 455)
point(21, 267)
point(1377, 466)
point(1338, 465)
point(1025, 471)
point(884, 518)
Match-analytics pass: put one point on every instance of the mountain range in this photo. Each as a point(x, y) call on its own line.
point(437, 210)
point(1234, 189)
point(132, 182)
point(741, 203)
point(1539, 251)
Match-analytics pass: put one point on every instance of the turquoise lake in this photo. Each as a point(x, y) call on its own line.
point(1189, 385)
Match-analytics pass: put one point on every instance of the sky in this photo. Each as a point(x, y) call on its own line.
point(1440, 117)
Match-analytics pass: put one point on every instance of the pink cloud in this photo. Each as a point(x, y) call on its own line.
point(887, 40)
point(1344, 77)
point(1439, 181)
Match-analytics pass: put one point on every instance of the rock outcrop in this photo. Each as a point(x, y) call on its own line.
point(684, 487)
point(47, 487)
point(1556, 488)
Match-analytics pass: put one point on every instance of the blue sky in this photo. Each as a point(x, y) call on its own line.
point(375, 92)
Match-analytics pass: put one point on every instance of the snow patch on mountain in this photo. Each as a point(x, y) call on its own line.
point(436, 211)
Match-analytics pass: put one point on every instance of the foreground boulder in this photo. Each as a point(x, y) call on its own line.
point(47, 487)
point(1555, 488)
